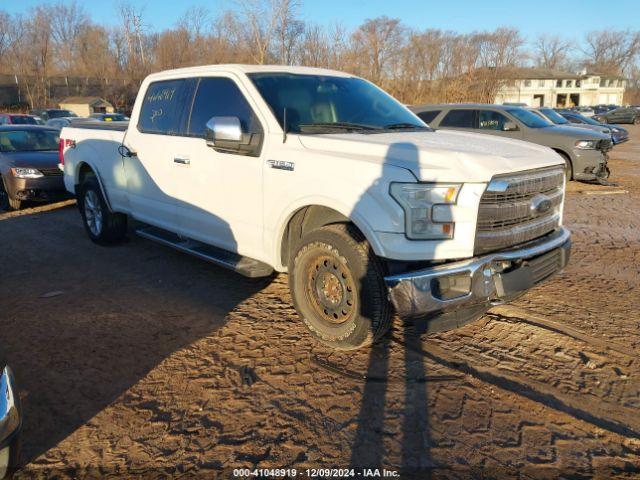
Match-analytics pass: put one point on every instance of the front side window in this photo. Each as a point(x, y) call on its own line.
point(490, 120)
point(459, 119)
point(220, 97)
point(529, 118)
point(162, 107)
point(554, 116)
point(28, 140)
point(319, 103)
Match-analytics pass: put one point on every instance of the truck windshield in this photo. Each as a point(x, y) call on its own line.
point(317, 104)
point(554, 116)
point(28, 140)
point(530, 119)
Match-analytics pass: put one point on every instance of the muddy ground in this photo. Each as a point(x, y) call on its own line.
point(138, 361)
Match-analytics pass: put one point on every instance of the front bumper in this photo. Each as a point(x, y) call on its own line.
point(44, 188)
point(494, 278)
point(589, 165)
point(10, 422)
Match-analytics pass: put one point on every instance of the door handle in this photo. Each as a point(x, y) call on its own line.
point(182, 161)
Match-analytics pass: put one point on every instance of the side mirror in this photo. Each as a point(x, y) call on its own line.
point(224, 135)
point(509, 127)
point(223, 129)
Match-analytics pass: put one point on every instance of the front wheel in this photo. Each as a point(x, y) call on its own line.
point(102, 226)
point(337, 285)
point(636, 121)
point(6, 202)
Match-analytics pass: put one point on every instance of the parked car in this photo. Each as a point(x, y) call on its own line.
point(583, 151)
point(29, 165)
point(59, 123)
point(322, 174)
point(110, 117)
point(17, 119)
point(554, 117)
point(584, 110)
point(10, 422)
point(618, 134)
point(619, 115)
point(49, 113)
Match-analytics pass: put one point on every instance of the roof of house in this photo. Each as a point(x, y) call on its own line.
point(534, 73)
point(83, 100)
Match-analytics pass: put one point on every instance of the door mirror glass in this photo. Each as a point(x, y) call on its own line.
point(509, 127)
point(223, 129)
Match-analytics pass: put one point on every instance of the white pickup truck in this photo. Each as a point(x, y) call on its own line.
point(323, 175)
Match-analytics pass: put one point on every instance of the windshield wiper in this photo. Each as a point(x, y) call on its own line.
point(337, 126)
point(401, 126)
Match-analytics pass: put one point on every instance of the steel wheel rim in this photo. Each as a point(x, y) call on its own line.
point(93, 212)
point(330, 289)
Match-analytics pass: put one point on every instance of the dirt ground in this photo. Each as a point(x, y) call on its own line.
point(137, 361)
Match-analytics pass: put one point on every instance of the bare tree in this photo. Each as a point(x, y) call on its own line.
point(375, 42)
point(551, 51)
point(611, 52)
point(67, 22)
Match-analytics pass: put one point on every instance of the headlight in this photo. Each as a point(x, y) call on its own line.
point(26, 172)
point(427, 210)
point(587, 144)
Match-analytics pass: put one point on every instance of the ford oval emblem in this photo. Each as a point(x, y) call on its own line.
point(540, 204)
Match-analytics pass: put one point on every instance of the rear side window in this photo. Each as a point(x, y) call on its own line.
point(163, 106)
point(428, 117)
point(220, 97)
point(459, 118)
point(490, 120)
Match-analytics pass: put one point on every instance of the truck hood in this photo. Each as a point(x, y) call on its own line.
point(437, 156)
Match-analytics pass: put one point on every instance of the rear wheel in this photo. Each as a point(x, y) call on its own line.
point(337, 285)
point(102, 226)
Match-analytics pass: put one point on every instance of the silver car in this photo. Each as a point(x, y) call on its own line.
point(10, 422)
point(584, 151)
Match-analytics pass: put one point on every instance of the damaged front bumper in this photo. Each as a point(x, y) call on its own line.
point(463, 290)
point(10, 422)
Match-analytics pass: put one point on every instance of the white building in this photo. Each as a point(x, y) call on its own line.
point(554, 88)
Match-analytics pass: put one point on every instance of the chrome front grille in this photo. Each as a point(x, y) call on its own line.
point(520, 207)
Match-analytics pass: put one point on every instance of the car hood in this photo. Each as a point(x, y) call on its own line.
point(576, 132)
point(437, 156)
point(48, 159)
point(594, 128)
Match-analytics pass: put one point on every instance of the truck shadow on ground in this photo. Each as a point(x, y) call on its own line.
point(78, 333)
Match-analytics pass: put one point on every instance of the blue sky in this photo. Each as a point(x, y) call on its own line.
point(570, 18)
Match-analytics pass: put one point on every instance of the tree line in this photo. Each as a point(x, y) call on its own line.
point(431, 65)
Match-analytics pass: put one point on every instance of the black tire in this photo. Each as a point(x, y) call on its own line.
point(4, 197)
point(111, 228)
point(636, 121)
point(337, 285)
point(568, 166)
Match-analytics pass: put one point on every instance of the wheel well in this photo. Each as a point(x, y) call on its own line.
point(304, 221)
point(84, 171)
point(565, 156)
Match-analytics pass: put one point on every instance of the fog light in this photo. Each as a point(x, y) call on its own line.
point(4, 461)
point(451, 286)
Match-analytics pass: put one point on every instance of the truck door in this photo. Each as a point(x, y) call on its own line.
point(220, 193)
point(153, 137)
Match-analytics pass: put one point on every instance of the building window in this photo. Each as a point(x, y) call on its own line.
point(541, 83)
point(558, 83)
point(569, 83)
point(527, 83)
point(578, 83)
point(603, 82)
